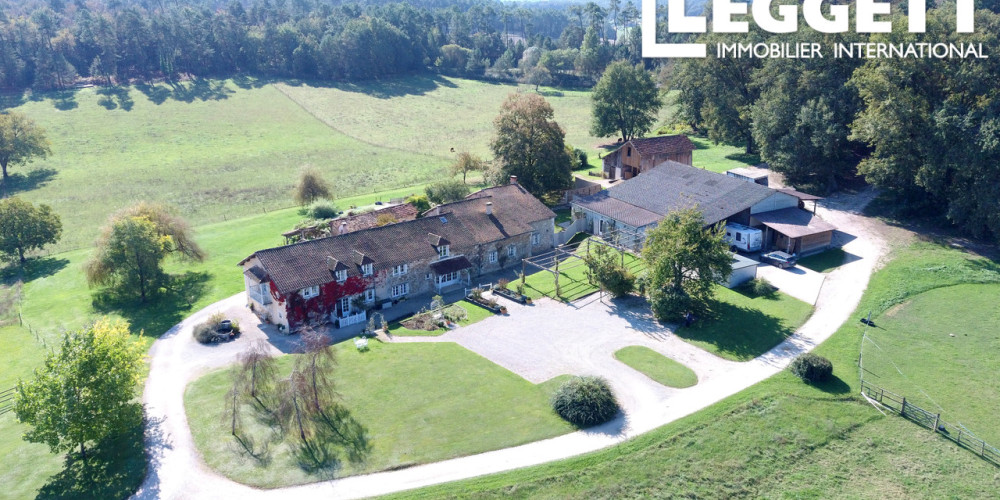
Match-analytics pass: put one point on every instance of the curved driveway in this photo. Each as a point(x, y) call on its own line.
point(176, 470)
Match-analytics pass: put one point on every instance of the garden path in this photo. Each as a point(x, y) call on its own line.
point(176, 470)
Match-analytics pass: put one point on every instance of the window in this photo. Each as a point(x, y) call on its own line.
point(340, 275)
point(400, 269)
point(369, 296)
point(400, 289)
point(512, 251)
point(493, 257)
point(443, 251)
point(536, 238)
point(447, 277)
point(429, 276)
point(628, 152)
point(308, 293)
point(345, 306)
point(738, 237)
point(367, 269)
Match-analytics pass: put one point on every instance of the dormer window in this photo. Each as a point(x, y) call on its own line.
point(444, 251)
point(367, 269)
point(340, 275)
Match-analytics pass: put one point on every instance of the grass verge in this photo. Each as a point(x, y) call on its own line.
point(782, 438)
point(419, 403)
point(824, 262)
point(656, 366)
point(475, 315)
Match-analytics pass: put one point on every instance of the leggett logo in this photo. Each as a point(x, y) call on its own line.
point(786, 21)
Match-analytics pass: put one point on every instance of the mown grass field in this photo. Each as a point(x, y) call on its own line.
point(656, 366)
point(419, 402)
point(741, 326)
point(785, 439)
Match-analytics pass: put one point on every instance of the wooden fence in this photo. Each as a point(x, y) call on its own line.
point(6, 401)
point(956, 433)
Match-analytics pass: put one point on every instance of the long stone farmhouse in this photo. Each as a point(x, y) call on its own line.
point(631, 207)
point(339, 278)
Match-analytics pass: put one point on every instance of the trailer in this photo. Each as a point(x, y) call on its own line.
point(745, 238)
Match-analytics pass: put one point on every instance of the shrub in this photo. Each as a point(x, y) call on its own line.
point(446, 191)
point(618, 281)
point(811, 368)
point(503, 283)
point(419, 201)
point(322, 210)
point(311, 187)
point(761, 288)
point(204, 333)
point(585, 401)
point(669, 304)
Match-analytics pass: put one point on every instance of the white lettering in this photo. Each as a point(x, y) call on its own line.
point(722, 17)
point(677, 19)
point(867, 10)
point(787, 21)
point(917, 15)
point(813, 12)
point(965, 16)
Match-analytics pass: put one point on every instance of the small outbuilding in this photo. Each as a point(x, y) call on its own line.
point(756, 175)
point(795, 231)
point(744, 269)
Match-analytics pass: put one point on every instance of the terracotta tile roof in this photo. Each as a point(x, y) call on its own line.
point(663, 144)
point(368, 220)
point(794, 222)
point(674, 186)
point(464, 224)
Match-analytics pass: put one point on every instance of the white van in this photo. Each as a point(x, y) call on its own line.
point(742, 237)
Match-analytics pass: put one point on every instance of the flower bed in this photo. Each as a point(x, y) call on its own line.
point(476, 297)
point(507, 294)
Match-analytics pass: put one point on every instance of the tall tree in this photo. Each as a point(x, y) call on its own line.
point(85, 392)
point(25, 227)
point(528, 143)
point(311, 187)
point(21, 141)
point(934, 125)
point(625, 101)
point(685, 259)
point(466, 162)
point(132, 247)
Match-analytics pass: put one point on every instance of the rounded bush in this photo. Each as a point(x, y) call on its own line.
point(761, 288)
point(812, 368)
point(322, 209)
point(585, 401)
point(204, 332)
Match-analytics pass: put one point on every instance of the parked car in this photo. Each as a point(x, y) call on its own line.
point(780, 259)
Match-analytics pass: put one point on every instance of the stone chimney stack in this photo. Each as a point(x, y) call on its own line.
point(489, 208)
point(343, 228)
point(513, 179)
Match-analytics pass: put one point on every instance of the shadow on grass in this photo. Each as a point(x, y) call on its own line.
point(162, 311)
point(338, 436)
point(745, 158)
point(33, 179)
point(197, 89)
point(833, 385)
point(36, 268)
point(114, 468)
point(741, 332)
point(115, 97)
point(396, 87)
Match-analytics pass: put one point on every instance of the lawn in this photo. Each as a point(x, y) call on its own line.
point(56, 298)
point(562, 215)
point(720, 157)
point(824, 262)
point(419, 402)
point(573, 283)
point(742, 326)
point(656, 366)
point(475, 315)
point(785, 439)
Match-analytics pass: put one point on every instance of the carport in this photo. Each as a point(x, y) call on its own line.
point(795, 231)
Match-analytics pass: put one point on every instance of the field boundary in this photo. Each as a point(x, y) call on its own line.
point(956, 433)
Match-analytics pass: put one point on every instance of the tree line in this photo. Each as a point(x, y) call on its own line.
point(926, 131)
point(51, 44)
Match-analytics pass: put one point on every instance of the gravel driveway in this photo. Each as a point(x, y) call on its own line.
point(536, 342)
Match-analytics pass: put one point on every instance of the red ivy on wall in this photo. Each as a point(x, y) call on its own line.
point(302, 311)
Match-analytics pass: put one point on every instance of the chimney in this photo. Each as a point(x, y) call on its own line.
point(343, 228)
point(513, 179)
point(489, 208)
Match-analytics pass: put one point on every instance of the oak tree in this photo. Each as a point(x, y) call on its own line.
point(21, 141)
point(25, 227)
point(529, 144)
point(625, 101)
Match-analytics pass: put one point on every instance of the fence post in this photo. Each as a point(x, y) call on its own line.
point(902, 410)
point(960, 437)
point(983, 452)
point(937, 420)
